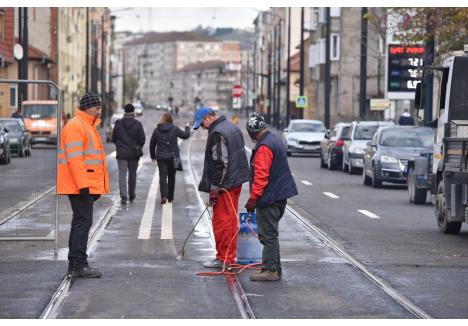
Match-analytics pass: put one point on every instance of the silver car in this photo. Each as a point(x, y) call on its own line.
point(304, 136)
point(353, 150)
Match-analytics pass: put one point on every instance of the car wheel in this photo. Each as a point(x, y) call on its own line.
point(376, 182)
point(288, 153)
point(29, 149)
point(322, 163)
point(22, 152)
point(344, 166)
point(330, 163)
point(416, 196)
point(442, 213)
point(367, 181)
point(351, 169)
point(8, 159)
point(3, 158)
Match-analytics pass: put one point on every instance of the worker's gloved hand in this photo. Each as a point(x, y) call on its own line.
point(250, 205)
point(96, 197)
point(84, 192)
point(214, 195)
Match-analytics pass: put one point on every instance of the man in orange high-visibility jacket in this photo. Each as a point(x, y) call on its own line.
point(82, 175)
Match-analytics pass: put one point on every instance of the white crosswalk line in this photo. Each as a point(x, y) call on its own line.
point(147, 219)
point(368, 214)
point(329, 194)
point(307, 183)
point(166, 222)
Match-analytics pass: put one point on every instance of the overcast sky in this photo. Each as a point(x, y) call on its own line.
point(181, 19)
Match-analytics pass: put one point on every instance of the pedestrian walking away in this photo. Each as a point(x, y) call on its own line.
point(406, 119)
point(164, 149)
point(83, 176)
point(271, 184)
point(129, 138)
point(225, 169)
point(18, 115)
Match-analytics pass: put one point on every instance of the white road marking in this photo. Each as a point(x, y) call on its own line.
point(166, 222)
point(368, 214)
point(147, 219)
point(307, 183)
point(329, 194)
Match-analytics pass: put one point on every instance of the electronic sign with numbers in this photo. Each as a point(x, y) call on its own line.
point(405, 63)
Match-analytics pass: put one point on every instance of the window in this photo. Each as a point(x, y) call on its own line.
point(314, 19)
point(334, 47)
point(335, 12)
point(13, 97)
point(322, 15)
point(322, 48)
point(2, 24)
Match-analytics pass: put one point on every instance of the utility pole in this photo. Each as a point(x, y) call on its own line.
point(87, 49)
point(428, 59)
point(363, 62)
point(274, 76)
point(279, 74)
point(288, 81)
point(20, 62)
point(103, 70)
point(269, 84)
point(301, 85)
point(327, 70)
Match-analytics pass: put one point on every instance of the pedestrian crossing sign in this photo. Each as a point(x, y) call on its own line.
point(301, 102)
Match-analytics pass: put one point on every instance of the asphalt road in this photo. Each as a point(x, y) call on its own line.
point(396, 240)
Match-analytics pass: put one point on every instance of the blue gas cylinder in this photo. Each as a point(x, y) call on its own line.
point(249, 248)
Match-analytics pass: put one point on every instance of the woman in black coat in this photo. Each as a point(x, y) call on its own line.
point(165, 150)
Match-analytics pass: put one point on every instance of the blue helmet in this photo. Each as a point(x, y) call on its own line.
point(200, 115)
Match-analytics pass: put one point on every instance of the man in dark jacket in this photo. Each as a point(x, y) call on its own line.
point(225, 170)
point(271, 184)
point(406, 119)
point(129, 138)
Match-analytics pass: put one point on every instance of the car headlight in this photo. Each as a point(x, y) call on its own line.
point(294, 140)
point(388, 159)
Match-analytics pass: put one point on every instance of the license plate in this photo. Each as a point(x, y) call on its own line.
point(40, 138)
point(311, 148)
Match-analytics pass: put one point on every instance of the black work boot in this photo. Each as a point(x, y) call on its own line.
point(123, 200)
point(86, 272)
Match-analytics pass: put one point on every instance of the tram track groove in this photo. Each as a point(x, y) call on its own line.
point(234, 285)
point(384, 286)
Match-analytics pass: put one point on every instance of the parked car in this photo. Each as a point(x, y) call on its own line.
point(304, 136)
point(110, 127)
point(5, 153)
point(20, 138)
point(386, 156)
point(331, 148)
point(138, 108)
point(359, 134)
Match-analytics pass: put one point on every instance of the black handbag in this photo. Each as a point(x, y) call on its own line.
point(177, 163)
point(138, 150)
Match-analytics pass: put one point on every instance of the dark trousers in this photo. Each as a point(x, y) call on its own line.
point(82, 207)
point(131, 166)
point(267, 221)
point(167, 174)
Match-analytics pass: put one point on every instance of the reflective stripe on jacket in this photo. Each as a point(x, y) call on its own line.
point(82, 160)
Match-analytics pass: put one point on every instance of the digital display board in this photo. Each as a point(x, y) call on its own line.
point(405, 63)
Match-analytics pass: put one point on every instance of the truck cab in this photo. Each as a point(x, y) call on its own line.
point(449, 172)
point(40, 118)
